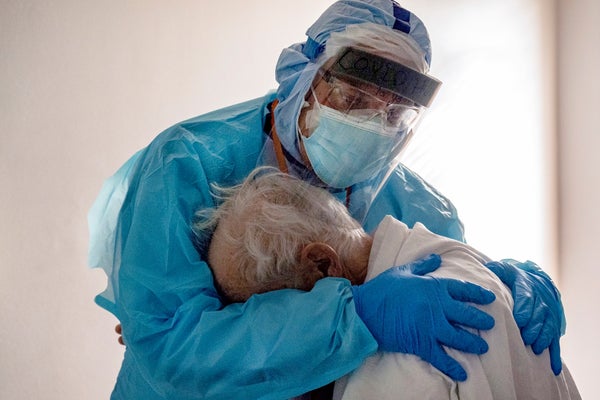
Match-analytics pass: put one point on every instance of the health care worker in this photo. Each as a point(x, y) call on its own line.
point(348, 101)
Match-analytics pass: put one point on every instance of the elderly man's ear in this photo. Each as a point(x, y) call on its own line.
point(321, 257)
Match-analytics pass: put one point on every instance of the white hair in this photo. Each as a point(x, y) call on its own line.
point(266, 221)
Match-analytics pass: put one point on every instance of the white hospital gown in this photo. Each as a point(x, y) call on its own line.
point(509, 370)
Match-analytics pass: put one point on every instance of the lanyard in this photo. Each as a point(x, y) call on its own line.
point(276, 142)
point(281, 161)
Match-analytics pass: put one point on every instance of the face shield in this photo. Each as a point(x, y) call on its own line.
point(365, 102)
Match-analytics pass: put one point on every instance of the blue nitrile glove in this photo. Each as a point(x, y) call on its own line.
point(538, 309)
point(410, 313)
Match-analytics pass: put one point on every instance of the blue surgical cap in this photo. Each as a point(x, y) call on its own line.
point(297, 64)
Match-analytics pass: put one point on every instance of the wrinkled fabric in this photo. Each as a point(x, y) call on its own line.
point(508, 370)
point(182, 342)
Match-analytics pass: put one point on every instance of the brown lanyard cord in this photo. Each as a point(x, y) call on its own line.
point(276, 142)
point(279, 151)
point(348, 193)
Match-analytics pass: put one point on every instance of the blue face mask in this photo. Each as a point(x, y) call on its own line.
point(347, 149)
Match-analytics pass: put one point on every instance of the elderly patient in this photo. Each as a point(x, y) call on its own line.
point(275, 232)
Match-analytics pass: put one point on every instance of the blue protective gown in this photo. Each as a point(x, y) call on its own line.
point(182, 342)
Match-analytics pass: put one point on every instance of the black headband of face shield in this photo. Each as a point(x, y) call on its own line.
point(404, 81)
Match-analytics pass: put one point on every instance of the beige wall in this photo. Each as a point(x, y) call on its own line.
point(85, 84)
point(579, 141)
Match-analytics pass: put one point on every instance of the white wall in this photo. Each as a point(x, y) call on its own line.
point(84, 84)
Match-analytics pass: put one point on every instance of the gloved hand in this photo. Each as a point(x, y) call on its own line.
point(538, 309)
point(410, 313)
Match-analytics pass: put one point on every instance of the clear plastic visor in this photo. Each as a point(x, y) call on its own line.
point(362, 67)
point(366, 102)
